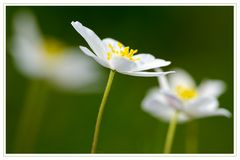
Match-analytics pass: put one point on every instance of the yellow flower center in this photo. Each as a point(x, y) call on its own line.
point(122, 51)
point(52, 47)
point(186, 93)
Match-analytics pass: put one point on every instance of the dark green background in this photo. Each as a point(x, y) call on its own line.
point(196, 38)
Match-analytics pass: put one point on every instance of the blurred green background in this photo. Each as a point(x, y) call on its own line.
point(196, 38)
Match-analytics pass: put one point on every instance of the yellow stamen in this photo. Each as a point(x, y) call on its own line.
point(122, 51)
point(125, 51)
point(120, 45)
point(132, 52)
point(109, 55)
point(186, 93)
point(111, 47)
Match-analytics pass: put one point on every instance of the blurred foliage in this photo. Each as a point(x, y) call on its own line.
point(196, 38)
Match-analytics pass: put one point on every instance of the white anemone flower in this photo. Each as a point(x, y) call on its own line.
point(179, 93)
point(46, 58)
point(114, 55)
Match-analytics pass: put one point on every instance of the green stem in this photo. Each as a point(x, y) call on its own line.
point(191, 137)
point(30, 118)
point(171, 132)
point(100, 112)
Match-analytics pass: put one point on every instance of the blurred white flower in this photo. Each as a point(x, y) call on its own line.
point(115, 56)
point(48, 59)
point(180, 93)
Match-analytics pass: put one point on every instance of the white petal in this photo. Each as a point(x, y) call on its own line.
point(157, 105)
point(172, 99)
point(28, 57)
point(156, 63)
point(73, 71)
point(92, 39)
point(181, 78)
point(147, 74)
point(154, 104)
point(182, 117)
point(25, 26)
point(26, 45)
point(222, 112)
point(211, 88)
point(144, 57)
point(217, 112)
point(121, 64)
point(204, 107)
point(113, 42)
point(89, 53)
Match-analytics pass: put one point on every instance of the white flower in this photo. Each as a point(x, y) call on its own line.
point(180, 93)
point(46, 58)
point(115, 56)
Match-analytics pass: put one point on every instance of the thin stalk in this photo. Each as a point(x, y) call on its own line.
point(100, 112)
point(191, 137)
point(30, 118)
point(171, 132)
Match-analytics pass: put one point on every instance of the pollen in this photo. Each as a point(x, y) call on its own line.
point(186, 93)
point(122, 51)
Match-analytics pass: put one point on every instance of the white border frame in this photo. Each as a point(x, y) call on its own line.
point(126, 3)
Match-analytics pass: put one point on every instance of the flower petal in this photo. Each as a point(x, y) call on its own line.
point(154, 104)
point(74, 71)
point(89, 53)
point(147, 61)
point(211, 88)
point(92, 39)
point(181, 78)
point(25, 25)
point(157, 105)
point(144, 58)
point(222, 112)
point(121, 64)
point(204, 107)
point(147, 74)
point(156, 63)
point(26, 47)
point(172, 99)
point(113, 42)
point(28, 58)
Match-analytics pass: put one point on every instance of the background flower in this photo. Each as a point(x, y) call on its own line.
point(179, 92)
point(44, 58)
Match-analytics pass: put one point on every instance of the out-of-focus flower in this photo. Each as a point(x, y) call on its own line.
point(115, 56)
point(47, 58)
point(180, 93)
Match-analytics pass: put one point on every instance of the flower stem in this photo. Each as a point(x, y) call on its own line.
point(30, 118)
point(191, 137)
point(100, 112)
point(170, 133)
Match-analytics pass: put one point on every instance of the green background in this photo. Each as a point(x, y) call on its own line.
point(196, 38)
